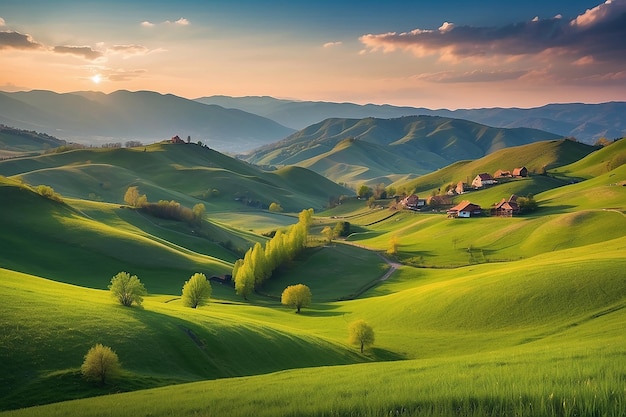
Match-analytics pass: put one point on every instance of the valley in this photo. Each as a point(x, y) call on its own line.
point(483, 315)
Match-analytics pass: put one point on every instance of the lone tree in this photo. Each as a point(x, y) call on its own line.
point(100, 364)
point(196, 291)
point(361, 333)
point(297, 296)
point(127, 289)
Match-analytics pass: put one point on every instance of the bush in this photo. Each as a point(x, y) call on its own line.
point(101, 363)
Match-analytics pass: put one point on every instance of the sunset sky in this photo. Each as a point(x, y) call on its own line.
point(436, 54)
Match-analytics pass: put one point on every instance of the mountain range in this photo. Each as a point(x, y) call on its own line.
point(238, 125)
point(97, 118)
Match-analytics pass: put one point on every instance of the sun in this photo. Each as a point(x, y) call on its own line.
point(96, 79)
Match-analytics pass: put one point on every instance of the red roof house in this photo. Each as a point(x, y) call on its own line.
point(464, 209)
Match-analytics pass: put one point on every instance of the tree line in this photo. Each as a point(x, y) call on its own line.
point(164, 209)
point(259, 262)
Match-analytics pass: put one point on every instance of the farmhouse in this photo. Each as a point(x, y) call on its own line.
point(413, 202)
point(502, 174)
point(460, 187)
point(223, 279)
point(464, 209)
point(483, 180)
point(176, 139)
point(520, 172)
point(506, 208)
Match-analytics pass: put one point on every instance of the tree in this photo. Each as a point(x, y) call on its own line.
point(196, 291)
point(342, 229)
point(329, 233)
point(360, 333)
point(133, 198)
point(364, 191)
point(127, 289)
point(100, 364)
point(393, 246)
point(297, 296)
point(527, 204)
point(198, 212)
point(275, 207)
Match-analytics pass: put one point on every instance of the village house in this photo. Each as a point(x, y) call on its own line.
point(502, 174)
point(176, 139)
point(413, 202)
point(520, 172)
point(464, 209)
point(483, 180)
point(460, 187)
point(506, 208)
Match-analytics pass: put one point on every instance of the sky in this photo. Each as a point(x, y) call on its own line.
point(422, 53)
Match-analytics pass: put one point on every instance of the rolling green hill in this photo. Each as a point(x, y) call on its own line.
point(537, 157)
point(429, 142)
point(484, 316)
point(184, 173)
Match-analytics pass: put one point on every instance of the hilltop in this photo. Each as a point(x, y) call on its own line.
point(14, 142)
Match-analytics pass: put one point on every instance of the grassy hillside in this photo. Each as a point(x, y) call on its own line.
point(543, 340)
point(18, 140)
point(184, 173)
point(536, 157)
point(162, 343)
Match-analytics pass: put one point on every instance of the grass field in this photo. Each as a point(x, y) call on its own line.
point(520, 316)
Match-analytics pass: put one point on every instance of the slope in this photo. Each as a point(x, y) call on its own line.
point(537, 157)
point(160, 344)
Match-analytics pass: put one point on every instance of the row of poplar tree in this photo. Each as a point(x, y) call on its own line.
point(259, 262)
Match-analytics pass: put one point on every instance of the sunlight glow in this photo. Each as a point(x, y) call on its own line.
point(96, 79)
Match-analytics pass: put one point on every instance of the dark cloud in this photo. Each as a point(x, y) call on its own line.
point(597, 33)
point(476, 76)
point(82, 51)
point(15, 40)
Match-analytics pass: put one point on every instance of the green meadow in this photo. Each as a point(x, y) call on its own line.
point(519, 316)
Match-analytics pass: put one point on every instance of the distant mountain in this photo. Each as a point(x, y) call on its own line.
point(401, 146)
point(586, 122)
point(96, 118)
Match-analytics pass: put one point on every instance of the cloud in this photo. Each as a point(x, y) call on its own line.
point(180, 22)
point(82, 51)
point(2, 22)
point(129, 50)
point(597, 33)
point(332, 44)
point(15, 40)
